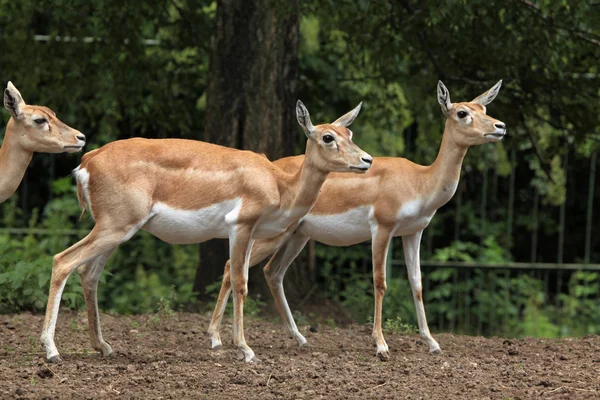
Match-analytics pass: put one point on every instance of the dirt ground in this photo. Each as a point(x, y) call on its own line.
point(170, 358)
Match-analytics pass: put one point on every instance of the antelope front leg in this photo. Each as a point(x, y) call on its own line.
point(90, 275)
point(215, 323)
point(380, 244)
point(412, 258)
point(274, 273)
point(240, 244)
point(260, 250)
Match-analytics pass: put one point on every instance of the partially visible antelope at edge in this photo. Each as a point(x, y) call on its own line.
point(395, 198)
point(30, 129)
point(186, 191)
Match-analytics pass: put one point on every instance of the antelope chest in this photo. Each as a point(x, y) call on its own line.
point(412, 217)
point(275, 222)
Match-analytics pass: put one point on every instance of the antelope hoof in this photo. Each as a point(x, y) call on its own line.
point(54, 359)
point(301, 342)
point(104, 349)
point(247, 356)
point(384, 355)
point(215, 344)
point(434, 347)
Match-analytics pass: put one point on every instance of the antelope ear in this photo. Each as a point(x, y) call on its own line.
point(346, 119)
point(304, 119)
point(489, 96)
point(13, 101)
point(443, 96)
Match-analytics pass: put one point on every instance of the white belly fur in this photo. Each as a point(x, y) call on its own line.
point(192, 226)
point(344, 229)
point(354, 226)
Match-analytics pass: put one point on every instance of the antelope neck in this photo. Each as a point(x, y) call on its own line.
point(13, 163)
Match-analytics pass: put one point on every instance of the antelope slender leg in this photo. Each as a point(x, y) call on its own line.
point(260, 250)
point(380, 244)
point(274, 273)
point(99, 241)
point(89, 274)
point(411, 245)
point(240, 247)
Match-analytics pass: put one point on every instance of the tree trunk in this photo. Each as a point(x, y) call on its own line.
point(250, 95)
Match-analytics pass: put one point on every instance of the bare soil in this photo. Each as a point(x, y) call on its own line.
point(170, 358)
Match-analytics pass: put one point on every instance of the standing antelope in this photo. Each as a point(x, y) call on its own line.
point(30, 129)
point(395, 198)
point(186, 191)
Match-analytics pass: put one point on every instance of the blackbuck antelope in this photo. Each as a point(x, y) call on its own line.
point(395, 198)
point(185, 191)
point(30, 129)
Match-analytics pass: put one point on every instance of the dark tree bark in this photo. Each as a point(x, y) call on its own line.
point(250, 95)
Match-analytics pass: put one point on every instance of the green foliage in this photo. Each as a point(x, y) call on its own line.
point(399, 326)
point(25, 267)
point(164, 315)
point(117, 87)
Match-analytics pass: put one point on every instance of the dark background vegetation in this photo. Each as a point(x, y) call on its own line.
point(230, 71)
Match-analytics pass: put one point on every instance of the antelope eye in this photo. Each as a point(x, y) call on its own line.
point(328, 138)
point(462, 114)
point(40, 121)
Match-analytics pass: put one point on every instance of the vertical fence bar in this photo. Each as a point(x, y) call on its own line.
point(468, 296)
point(590, 209)
point(52, 176)
point(25, 198)
point(484, 190)
point(441, 320)
point(493, 202)
point(561, 230)
point(492, 278)
point(504, 331)
point(429, 241)
point(457, 215)
point(454, 301)
point(534, 234)
point(546, 287)
point(561, 220)
point(312, 260)
point(481, 285)
point(388, 261)
point(511, 194)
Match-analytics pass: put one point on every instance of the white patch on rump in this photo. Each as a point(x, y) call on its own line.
point(178, 226)
point(82, 176)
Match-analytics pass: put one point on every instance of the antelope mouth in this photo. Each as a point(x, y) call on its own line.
point(363, 169)
point(496, 135)
point(75, 147)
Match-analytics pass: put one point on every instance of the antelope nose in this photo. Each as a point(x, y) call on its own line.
point(81, 137)
point(500, 125)
point(367, 159)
